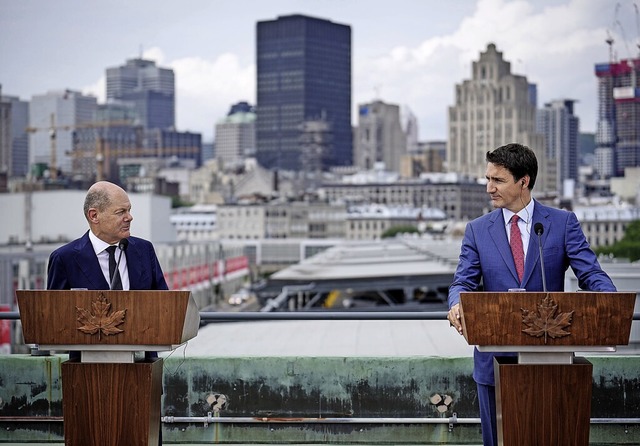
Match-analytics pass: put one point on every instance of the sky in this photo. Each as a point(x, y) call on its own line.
point(406, 52)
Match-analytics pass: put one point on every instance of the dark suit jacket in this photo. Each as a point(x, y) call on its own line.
point(75, 265)
point(486, 261)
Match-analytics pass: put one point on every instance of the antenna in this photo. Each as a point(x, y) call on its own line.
point(635, 6)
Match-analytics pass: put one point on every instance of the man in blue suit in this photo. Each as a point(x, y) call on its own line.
point(486, 261)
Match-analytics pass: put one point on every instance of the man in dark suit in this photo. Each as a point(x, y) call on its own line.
point(84, 262)
point(488, 261)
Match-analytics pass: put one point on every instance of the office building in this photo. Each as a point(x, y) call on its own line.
point(235, 135)
point(380, 137)
point(493, 108)
point(303, 74)
point(560, 128)
point(53, 119)
point(148, 88)
point(618, 129)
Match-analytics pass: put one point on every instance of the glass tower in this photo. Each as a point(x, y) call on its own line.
point(303, 75)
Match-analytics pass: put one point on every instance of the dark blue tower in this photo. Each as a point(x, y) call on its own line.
point(303, 74)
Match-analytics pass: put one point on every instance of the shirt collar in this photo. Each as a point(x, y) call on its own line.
point(526, 213)
point(98, 245)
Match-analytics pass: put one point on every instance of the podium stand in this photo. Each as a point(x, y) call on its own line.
point(543, 396)
point(109, 397)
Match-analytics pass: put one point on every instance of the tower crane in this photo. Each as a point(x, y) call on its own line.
point(53, 129)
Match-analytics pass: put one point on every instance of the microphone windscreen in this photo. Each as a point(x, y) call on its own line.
point(538, 228)
point(123, 244)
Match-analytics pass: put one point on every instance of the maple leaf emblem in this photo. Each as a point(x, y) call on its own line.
point(545, 322)
point(99, 320)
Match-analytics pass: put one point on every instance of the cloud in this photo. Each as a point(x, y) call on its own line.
point(207, 89)
point(556, 47)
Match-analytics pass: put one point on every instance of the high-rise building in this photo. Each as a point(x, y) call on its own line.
point(618, 129)
point(303, 74)
point(5, 137)
point(560, 128)
point(235, 135)
point(493, 108)
point(53, 119)
point(379, 136)
point(150, 89)
point(19, 139)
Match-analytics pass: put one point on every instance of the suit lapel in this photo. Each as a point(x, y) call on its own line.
point(87, 262)
point(498, 234)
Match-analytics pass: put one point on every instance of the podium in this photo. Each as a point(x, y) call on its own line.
point(543, 395)
point(109, 397)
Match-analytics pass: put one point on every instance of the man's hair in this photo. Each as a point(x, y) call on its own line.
point(517, 159)
point(96, 198)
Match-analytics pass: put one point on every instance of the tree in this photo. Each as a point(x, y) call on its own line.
point(628, 247)
point(392, 232)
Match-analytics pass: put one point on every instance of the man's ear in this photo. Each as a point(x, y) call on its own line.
point(92, 215)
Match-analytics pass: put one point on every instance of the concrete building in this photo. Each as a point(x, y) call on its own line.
point(493, 108)
point(379, 136)
point(303, 74)
point(459, 197)
point(14, 140)
point(148, 88)
point(370, 222)
point(235, 137)
point(53, 119)
point(560, 128)
point(429, 156)
point(297, 220)
point(627, 187)
point(618, 131)
point(606, 225)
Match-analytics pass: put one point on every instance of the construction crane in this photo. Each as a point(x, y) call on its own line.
point(53, 130)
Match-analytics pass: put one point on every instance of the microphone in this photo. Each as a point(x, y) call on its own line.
point(539, 230)
point(123, 247)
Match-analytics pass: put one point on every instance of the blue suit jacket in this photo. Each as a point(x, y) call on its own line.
point(486, 263)
point(75, 265)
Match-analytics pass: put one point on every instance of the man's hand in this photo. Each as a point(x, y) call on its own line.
point(454, 317)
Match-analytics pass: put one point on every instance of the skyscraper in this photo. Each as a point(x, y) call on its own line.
point(303, 74)
point(18, 138)
point(493, 108)
point(560, 127)
point(618, 130)
point(150, 89)
point(236, 135)
point(53, 118)
point(379, 136)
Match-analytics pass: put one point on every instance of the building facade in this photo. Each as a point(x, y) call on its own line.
point(458, 197)
point(235, 136)
point(303, 74)
point(379, 136)
point(148, 88)
point(53, 119)
point(493, 108)
point(560, 128)
point(618, 129)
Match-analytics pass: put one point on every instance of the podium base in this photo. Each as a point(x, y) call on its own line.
point(110, 404)
point(543, 404)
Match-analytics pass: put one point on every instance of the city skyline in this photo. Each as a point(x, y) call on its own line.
point(409, 52)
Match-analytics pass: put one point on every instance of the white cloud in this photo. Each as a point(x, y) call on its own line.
point(555, 47)
point(206, 90)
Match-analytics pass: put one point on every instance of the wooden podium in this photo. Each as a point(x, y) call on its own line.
point(109, 397)
point(543, 395)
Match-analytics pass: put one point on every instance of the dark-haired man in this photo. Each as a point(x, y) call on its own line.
point(498, 254)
